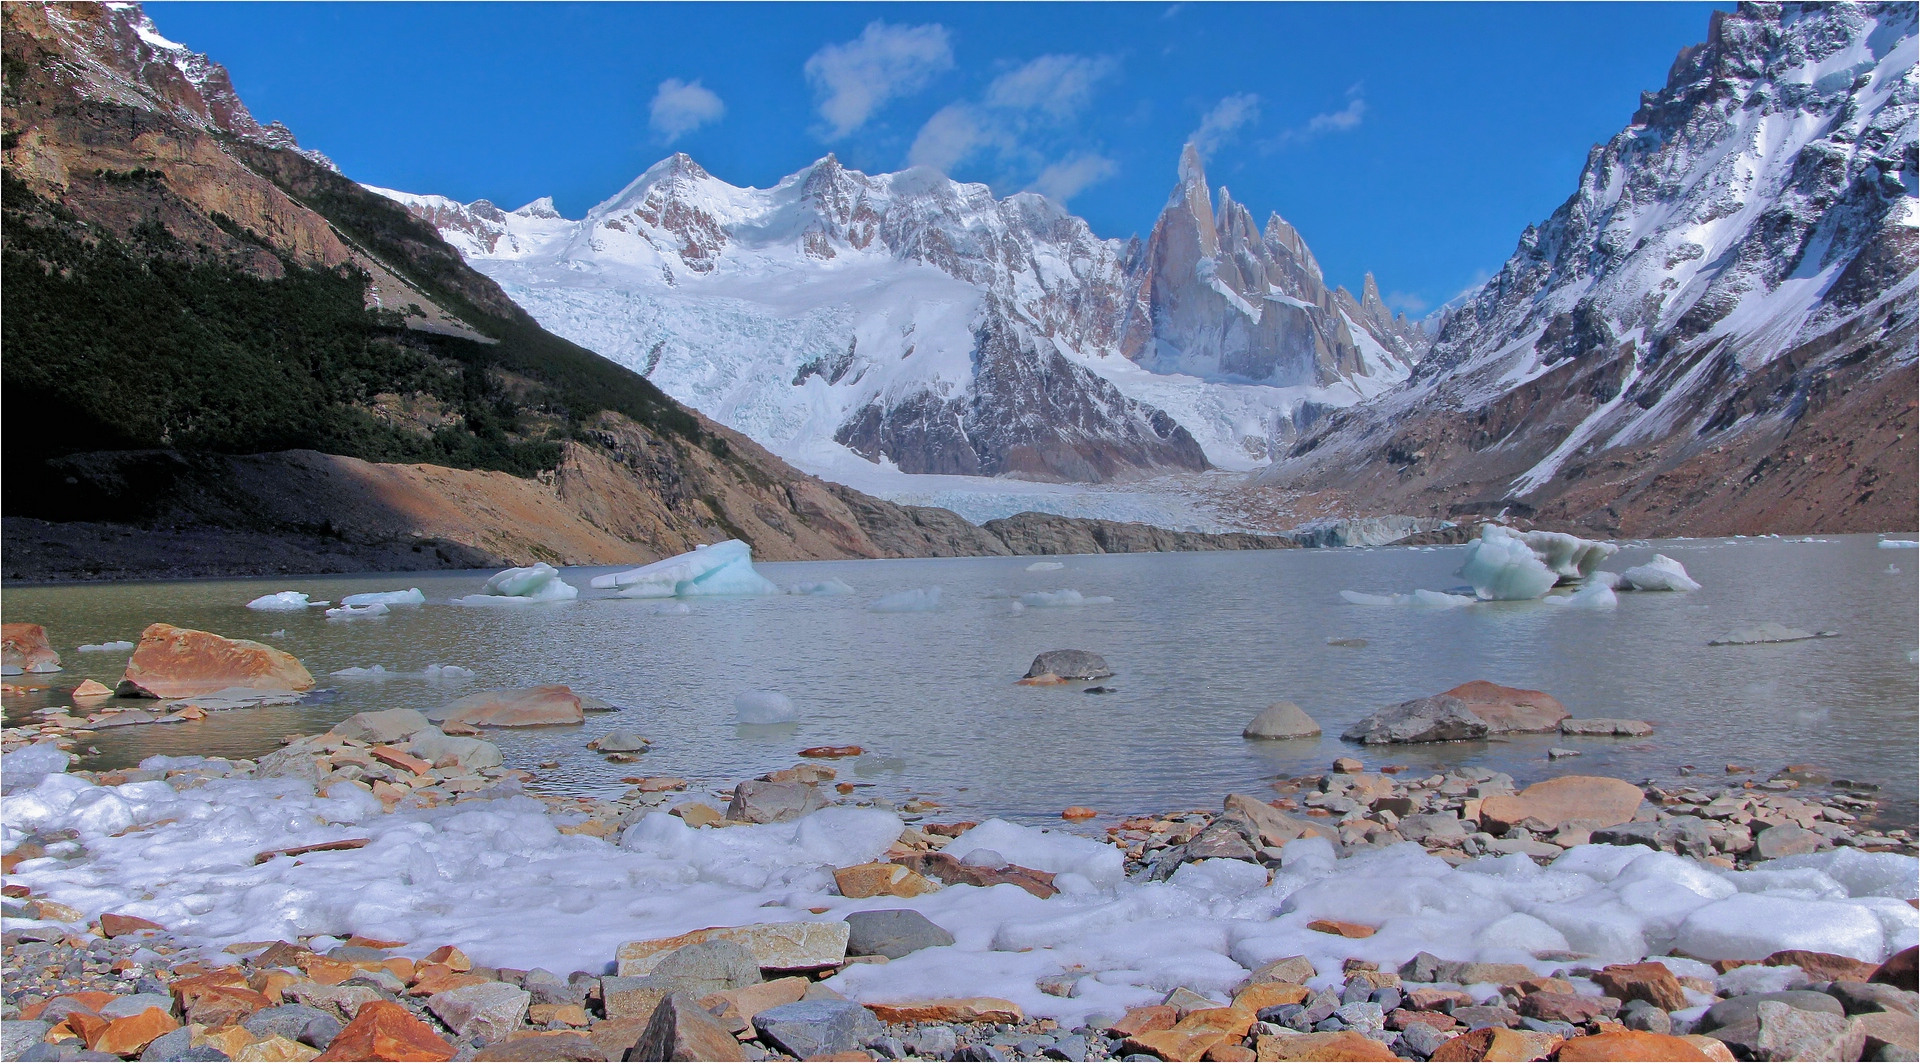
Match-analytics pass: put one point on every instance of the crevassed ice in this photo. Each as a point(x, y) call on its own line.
point(722, 568)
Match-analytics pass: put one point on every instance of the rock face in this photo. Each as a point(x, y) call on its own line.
point(1282, 719)
point(1441, 718)
point(541, 706)
point(1714, 333)
point(1070, 664)
point(178, 662)
point(24, 648)
point(1511, 709)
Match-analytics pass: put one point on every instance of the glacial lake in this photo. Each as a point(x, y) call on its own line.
point(1199, 643)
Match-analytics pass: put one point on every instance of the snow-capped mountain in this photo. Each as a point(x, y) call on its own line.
point(906, 319)
point(1743, 246)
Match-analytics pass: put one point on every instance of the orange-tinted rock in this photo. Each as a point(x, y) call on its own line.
point(1194, 1035)
point(1227, 1052)
point(541, 706)
point(1424, 999)
point(178, 662)
point(218, 1005)
point(1144, 1020)
point(1269, 995)
point(1632, 1045)
point(735, 1008)
point(128, 1036)
point(1078, 812)
point(1591, 801)
point(228, 1039)
point(1340, 1047)
point(830, 752)
point(881, 880)
point(85, 1025)
point(1511, 710)
point(1649, 981)
point(326, 970)
point(90, 690)
point(435, 978)
point(1563, 1007)
point(384, 1031)
point(1823, 966)
point(452, 957)
point(270, 982)
point(1898, 971)
point(1882, 1028)
point(541, 1046)
point(943, 868)
point(401, 759)
point(960, 1009)
point(1401, 1018)
point(1345, 930)
point(1711, 1047)
point(1495, 1044)
point(114, 925)
point(25, 647)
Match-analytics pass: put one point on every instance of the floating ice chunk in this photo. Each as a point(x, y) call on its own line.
point(1502, 567)
point(106, 647)
point(670, 609)
point(827, 588)
point(283, 602)
point(722, 568)
point(1045, 566)
point(1609, 580)
point(1591, 596)
point(1570, 556)
point(1043, 850)
point(1662, 573)
point(539, 582)
point(378, 671)
point(1899, 544)
point(357, 612)
point(763, 707)
point(407, 597)
point(1426, 599)
point(918, 600)
point(1064, 598)
point(1749, 926)
point(446, 673)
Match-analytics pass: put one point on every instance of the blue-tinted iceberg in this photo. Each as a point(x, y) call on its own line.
point(723, 568)
point(1662, 573)
point(411, 596)
point(1501, 567)
point(534, 584)
point(1569, 556)
point(763, 707)
point(829, 588)
point(283, 602)
point(918, 600)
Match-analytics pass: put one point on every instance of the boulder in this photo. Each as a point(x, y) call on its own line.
point(619, 741)
point(1510, 709)
point(1745, 1009)
point(1823, 966)
point(178, 662)
point(1272, 827)
point(773, 802)
point(881, 880)
point(1070, 664)
point(893, 933)
point(1651, 981)
point(1591, 801)
point(382, 1030)
point(680, 1029)
point(443, 750)
point(1785, 839)
point(1681, 835)
point(380, 728)
point(1779, 1030)
point(1282, 719)
point(24, 648)
point(540, 706)
point(1441, 828)
point(796, 946)
point(1631, 1045)
point(1882, 1030)
point(1441, 718)
point(1898, 971)
point(812, 1028)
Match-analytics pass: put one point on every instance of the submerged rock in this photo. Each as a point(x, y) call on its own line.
point(1282, 719)
point(527, 707)
point(1768, 632)
point(178, 662)
point(1070, 664)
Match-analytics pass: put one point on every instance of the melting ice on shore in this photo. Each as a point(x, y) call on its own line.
point(1065, 598)
point(1429, 599)
point(1046, 566)
point(539, 582)
point(722, 568)
point(106, 647)
point(826, 588)
point(411, 596)
point(918, 600)
point(763, 707)
point(283, 602)
point(357, 612)
point(1662, 573)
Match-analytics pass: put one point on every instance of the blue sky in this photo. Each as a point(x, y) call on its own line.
point(1413, 140)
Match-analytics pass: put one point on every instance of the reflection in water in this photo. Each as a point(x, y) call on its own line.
point(1200, 643)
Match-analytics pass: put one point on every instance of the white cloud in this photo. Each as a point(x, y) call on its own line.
point(1223, 122)
point(1341, 120)
point(1407, 303)
point(953, 133)
point(854, 79)
point(1059, 85)
point(1065, 179)
point(680, 107)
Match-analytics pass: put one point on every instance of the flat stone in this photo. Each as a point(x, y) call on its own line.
point(812, 1028)
point(275, 1049)
point(380, 728)
point(1479, 1016)
point(1070, 664)
point(1886, 1029)
point(944, 868)
point(1341, 929)
point(795, 946)
point(134, 1004)
point(735, 1008)
point(178, 662)
point(952, 1009)
point(1823, 966)
point(1438, 827)
point(386, 1032)
point(1436, 719)
point(1510, 710)
point(1144, 1020)
point(619, 741)
point(1341, 1045)
point(1280, 720)
point(1603, 727)
point(1295, 969)
point(131, 1035)
point(881, 880)
point(341, 1001)
point(1589, 800)
point(1785, 839)
point(1683, 835)
point(1564, 1007)
point(1789, 1033)
point(893, 933)
point(773, 802)
point(1735, 1011)
point(548, 1046)
point(540, 706)
point(1631, 1045)
point(486, 1012)
point(1866, 997)
point(1497, 1043)
point(680, 1029)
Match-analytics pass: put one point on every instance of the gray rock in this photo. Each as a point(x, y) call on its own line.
point(1364, 1016)
point(1785, 839)
point(380, 728)
point(1684, 835)
point(1640, 1015)
point(1441, 718)
point(1479, 1016)
point(681, 1030)
point(18, 1035)
point(773, 802)
point(1072, 1048)
point(1440, 827)
point(381, 979)
point(620, 741)
point(340, 1001)
point(1319, 1007)
point(893, 933)
point(168, 1046)
point(1784, 1032)
point(1421, 1039)
point(1231, 836)
point(121, 1007)
point(1606, 726)
point(485, 1012)
point(1770, 631)
point(295, 1022)
point(818, 1027)
point(1859, 998)
point(1744, 1009)
point(1282, 719)
point(1070, 664)
point(708, 967)
point(933, 1042)
point(445, 750)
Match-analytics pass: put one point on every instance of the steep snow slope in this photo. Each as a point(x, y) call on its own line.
point(1735, 259)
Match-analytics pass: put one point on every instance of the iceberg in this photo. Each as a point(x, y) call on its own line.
point(1662, 573)
point(539, 582)
point(918, 600)
point(106, 647)
point(1899, 544)
point(357, 612)
point(406, 597)
point(722, 568)
point(830, 588)
point(1592, 596)
point(1570, 556)
point(1501, 567)
point(1046, 566)
point(763, 707)
point(1061, 599)
point(283, 602)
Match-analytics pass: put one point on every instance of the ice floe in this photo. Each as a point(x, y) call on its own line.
point(1899, 544)
point(1429, 599)
point(284, 602)
point(722, 568)
point(1046, 566)
point(433, 673)
point(358, 612)
point(1662, 573)
point(537, 583)
point(827, 588)
point(1596, 595)
point(107, 647)
point(763, 707)
point(1065, 598)
point(411, 596)
point(918, 600)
